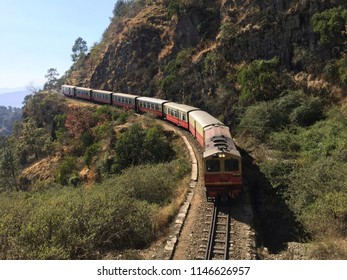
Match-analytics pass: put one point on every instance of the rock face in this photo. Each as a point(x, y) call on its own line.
point(137, 50)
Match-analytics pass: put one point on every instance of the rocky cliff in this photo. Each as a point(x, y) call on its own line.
point(190, 51)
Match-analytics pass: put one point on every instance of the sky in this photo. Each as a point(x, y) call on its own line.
point(36, 35)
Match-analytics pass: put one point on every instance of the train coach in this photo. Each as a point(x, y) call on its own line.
point(198, 121)
point(83, 93)
point(178, 113)
point(68, 90)
point(124, 100)
point(101, 96)
point(151, 105)
point(221, 160)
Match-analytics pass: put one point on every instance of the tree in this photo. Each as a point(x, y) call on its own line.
point(259, 80)
point(78, 121)
point(331, 26)
point(9, 165)
point(33, 142)
point(52, 80)
point(79, 49)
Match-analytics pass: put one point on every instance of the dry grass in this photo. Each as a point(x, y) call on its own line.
point(169, 212)
point(332, 248)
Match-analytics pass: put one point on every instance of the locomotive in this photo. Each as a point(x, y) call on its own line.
point(221, 159)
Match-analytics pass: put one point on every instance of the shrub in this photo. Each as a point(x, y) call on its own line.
point(137, 146)
point(307, 113)
point(330, 25)
point(90, 153)
point(259, 81)
point(66, 169)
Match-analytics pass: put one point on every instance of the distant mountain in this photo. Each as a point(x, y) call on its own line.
point(14, 99)
point(7, 90)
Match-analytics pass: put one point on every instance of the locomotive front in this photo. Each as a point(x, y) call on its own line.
point(222, 163)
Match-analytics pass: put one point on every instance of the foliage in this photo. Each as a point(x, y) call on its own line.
point(315, 189)
point(128, 8)
point(8, 116)
point(79, 120)
point(293, 108)
point(70, 223)
point(175, 71)
point(307, 113)
point(227, 32)
point(331, 26)
point(33, 142)
point(259, 81)
point(137, 146)
point(66, 170)
point(42, 107)
point(9, 165)
point(79, 49)
point(52, 80)
point(90, 153)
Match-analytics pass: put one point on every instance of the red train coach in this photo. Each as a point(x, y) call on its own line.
point(198, 121)
point(124, 100)
point(101, 96)
point(83, 93)
point(68, 90)
point(178, 113)
point(151, 105)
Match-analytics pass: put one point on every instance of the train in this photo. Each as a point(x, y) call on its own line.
point(222, 162)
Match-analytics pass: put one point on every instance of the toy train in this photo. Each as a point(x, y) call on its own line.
point(221, 159)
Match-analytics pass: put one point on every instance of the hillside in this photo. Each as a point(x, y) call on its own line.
point(275, 71)
point(8, 117)
point(82, 181)
point(191, 51)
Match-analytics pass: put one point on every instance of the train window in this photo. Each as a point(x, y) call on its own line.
point(231, 165)
point(157, 107)
point(212, 165)
point(152, 106)
point(183, 117)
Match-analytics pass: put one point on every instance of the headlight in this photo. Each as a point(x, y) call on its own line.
point(221, 155)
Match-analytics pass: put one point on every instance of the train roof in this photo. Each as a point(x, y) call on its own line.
point(215, 150)
point(181, 107)
point(125, 95)
point(153, 100)
point(204, 118)
point(83, 88)
point(102, 91)
point(218, 139)
point(68, 86)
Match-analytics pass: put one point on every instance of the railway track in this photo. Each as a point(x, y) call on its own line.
point(217, 240)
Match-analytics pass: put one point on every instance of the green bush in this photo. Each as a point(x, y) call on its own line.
point(259, 81)
point(90, 153)
point(68, 223)
point(330, 25)
point(307, 113)
point(311, 167)
point(138, 146)
point(66, 169)
point(293, 108)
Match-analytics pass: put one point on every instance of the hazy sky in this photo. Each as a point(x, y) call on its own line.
point(36, 35)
